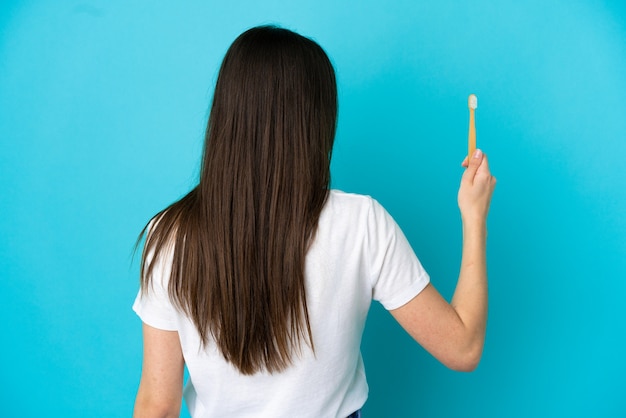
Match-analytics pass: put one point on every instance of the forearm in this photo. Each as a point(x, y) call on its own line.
point(470, 296)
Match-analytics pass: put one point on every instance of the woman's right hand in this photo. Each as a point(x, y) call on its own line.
point(476, 188)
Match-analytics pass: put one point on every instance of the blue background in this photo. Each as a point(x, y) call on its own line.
point(102, 110)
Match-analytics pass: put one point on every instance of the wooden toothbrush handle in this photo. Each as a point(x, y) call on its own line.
point(471, 138)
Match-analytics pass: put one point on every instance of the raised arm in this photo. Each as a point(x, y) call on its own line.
point(161, 386)
point(454, 333)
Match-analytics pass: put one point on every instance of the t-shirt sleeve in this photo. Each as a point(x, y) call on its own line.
point(153, 304)
point(397, 274)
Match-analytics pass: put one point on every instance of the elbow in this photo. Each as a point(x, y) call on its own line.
point(466, 360)
point(465, 365)
point(152, 408)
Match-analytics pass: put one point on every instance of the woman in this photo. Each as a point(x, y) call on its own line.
point(260, 279)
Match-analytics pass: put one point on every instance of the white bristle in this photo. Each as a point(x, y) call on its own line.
point(472, 101)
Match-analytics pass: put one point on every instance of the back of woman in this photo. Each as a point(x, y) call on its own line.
point(260, 279)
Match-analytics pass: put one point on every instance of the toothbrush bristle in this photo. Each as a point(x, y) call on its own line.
point(472, 101)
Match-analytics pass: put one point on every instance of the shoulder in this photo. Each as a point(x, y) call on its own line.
point(356, 206)
point(356, 215)
point(338, 199)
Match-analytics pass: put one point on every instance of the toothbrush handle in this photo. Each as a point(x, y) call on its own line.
point(471, 138)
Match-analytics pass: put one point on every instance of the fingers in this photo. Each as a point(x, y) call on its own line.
point(484, 172)
point(477, 185)
point(483, 168)
point(472, 166)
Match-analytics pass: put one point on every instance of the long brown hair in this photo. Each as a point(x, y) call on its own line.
point(239, 238)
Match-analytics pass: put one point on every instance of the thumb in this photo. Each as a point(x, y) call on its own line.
point(473, 164)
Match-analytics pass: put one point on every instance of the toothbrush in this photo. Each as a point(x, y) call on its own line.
point(472, 104)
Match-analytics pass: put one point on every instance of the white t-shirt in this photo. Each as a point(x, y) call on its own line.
point(359, 254)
